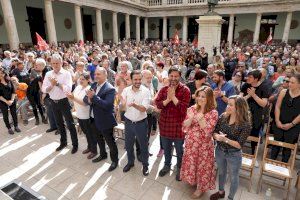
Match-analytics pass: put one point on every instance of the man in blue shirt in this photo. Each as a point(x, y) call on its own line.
point(92, 67)
point(222, 90)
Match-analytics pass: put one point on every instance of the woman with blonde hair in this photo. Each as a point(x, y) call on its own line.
point(231, 132)
point(198, 159)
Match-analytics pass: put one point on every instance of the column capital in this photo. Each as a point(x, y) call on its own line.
point(100, 9)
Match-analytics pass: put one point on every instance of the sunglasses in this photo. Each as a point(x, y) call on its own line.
point(287, 81)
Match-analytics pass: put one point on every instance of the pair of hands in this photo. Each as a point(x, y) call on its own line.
point(199, 116)
point(220, 137)
point(284, 126)
point(9, 102)
point(171, 93)
point(53, 81)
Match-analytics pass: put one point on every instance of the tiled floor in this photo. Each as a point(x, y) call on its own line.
point(29, 157)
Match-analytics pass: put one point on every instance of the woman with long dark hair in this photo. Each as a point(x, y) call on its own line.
point(231, 132)
point(7, 101)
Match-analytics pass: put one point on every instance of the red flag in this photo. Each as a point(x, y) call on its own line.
point(270, 38)
point(195, 41)
point(176, 37)
point(81, 43)
point(42, 44)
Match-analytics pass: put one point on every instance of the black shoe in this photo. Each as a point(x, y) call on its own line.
point(101, 157)
point(164, 171)
point(74, 149)
point(61, 146)
point(44, 120)
point(145, 171)
point(37, 122)
point(10, 131)
point(17, 129)
point(50, 130)
point(113, 166)
point(127, 167)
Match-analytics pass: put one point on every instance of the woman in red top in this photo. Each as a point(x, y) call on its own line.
point(198, 159)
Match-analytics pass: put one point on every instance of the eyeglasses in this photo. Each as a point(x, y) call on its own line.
point(290, 102)
point(286, 80)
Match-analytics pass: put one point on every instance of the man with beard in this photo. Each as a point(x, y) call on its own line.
point(173, 101)
point(136, 99)
point(222, 90)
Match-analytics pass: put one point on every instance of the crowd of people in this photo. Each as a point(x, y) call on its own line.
point(204, 109)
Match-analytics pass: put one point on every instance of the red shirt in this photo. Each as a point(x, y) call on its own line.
point(171, 116)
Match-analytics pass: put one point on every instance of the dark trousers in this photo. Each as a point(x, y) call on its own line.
point(35, 103)
point(50, 113)
point(90, 138)
point(103, 136)
point(168, 147)
point(136, 130)
point(62, 109)
point(13, 111)
point(150, 122)
point(288, 136)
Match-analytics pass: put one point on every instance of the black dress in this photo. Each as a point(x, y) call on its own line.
point(289, 110)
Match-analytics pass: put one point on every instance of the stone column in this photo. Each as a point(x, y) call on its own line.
point(184, 29)
point(115, 27)
point(127, 25)
point(10, 25)
point(209, 34)
point(230, 30)
point(50, 22)
point(257, 28)
point(137, 29)
point(146, 36)
point(78, 22)
point(287, 27)
point(99, 26)
point(164, 37)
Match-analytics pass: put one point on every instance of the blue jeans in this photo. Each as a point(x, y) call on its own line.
point(138, 130)
point(233, 159)
point(167, 145)
point(50, 113)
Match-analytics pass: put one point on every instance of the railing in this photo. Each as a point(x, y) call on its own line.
point(196, 2)
point(174, 2)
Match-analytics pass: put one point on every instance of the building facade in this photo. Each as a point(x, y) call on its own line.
point(113, 20)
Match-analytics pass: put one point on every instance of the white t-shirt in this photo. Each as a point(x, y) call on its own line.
point(82, 112)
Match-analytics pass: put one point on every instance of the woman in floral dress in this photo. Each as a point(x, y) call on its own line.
point(198, 158)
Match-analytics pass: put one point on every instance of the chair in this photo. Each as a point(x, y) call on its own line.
point(276, 169)
point(119, 131)
point(248, 161)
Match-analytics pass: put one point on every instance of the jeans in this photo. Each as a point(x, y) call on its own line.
point(136, 130)
point(22, 106)
point(233, 159)
point(50, 113)
point(167, 145)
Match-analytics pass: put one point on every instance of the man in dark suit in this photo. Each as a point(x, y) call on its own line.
point(101, 99)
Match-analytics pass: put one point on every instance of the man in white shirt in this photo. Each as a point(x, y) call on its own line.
point(57, 83)
point(6, 62)
point(136, 100)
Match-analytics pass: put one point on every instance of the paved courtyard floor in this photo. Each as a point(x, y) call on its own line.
point(29, 157)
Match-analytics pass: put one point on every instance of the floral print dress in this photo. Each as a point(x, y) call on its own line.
point(198, 158)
